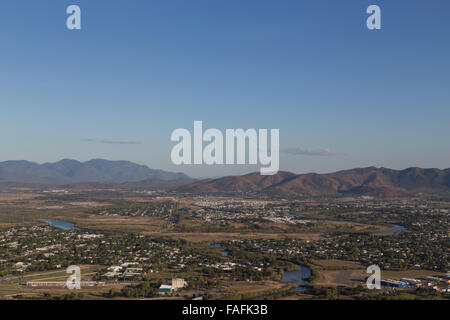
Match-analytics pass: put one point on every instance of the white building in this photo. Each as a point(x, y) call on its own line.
point(131, 272)
point(175, 285)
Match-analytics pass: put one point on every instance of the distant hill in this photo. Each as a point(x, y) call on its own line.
point(104, 174)
point(72, 171)
point(379, 182)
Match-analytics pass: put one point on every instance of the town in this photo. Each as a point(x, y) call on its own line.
point(154, 244)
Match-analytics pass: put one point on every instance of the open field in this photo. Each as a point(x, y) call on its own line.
point(410, 274)
point(123, 224)
point(222, 236)
point(13, 286)
point(6, 197)
point(254, 287)
point(349, 278)
point(334, 263)
point(51, 274)
point(350, 274)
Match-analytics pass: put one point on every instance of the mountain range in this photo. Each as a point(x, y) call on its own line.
point(379, 182)
point(105, 174)
point(71, 171)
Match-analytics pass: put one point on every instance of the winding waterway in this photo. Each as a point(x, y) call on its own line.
point(299, 277)
point(397, 228)
point(60, 224)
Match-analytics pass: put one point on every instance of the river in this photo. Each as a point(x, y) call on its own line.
point(60, 224)
point(225, 253)
point(298, 277)
point(397, 228)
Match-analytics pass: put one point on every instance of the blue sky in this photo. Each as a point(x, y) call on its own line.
point(140, 69)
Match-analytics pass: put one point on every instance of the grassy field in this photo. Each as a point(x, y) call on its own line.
point(333, 263)
point(333, 278)
point(222, 236)
point(14, 286)
point(351, 274)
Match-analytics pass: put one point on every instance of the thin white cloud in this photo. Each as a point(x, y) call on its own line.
point(120, 142)
point(312, 152)
point(111, 141)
